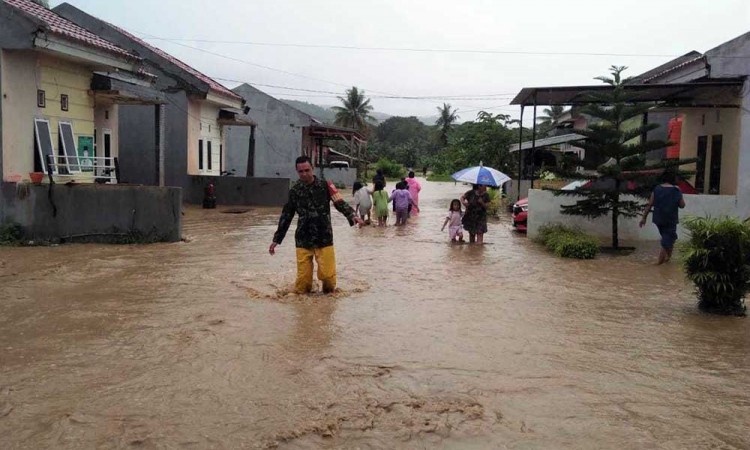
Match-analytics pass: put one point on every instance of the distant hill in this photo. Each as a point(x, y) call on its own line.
point(324, 113)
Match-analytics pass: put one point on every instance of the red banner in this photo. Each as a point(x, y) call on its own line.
point(674, 130)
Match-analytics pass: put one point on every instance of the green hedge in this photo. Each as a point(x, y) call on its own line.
point(11, 234)
point(568, 242)
point(391, 169)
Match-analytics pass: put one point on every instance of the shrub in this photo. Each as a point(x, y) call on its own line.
point(391, 169)
point(716, 258)
point(494, 207)
point(568, 242)
point(10, 234)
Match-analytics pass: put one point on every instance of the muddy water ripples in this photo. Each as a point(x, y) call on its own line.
point(200, 344)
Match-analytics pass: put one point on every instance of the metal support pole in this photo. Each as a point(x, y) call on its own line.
point(520, 153)
point(319, 143)
point(159, 125)
point(533, 144)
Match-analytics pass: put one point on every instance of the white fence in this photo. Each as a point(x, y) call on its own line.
point(544, 208)
point(101, 168)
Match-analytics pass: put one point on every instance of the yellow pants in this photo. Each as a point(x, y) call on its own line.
point(326, 259)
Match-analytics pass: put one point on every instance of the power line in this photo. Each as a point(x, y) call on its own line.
point(422, 50)
point(149, 36)
point(407, 97)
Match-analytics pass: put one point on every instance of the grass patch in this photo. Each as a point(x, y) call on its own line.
point(439, 177)
point(568, 242)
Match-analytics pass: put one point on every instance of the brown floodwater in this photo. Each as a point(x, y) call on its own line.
point(198, 344)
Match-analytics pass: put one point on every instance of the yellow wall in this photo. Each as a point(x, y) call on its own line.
point(24, 72)
point(19, 110)
point(61, 77)
point(202, 125)
point(709, 122)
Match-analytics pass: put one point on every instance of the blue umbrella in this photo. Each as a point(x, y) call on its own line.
point(481, 175)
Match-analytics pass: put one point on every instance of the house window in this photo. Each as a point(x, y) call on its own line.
point(106, 115)
point(200, 154)
point(41, 99)
point(210, 156)
point(64, 102)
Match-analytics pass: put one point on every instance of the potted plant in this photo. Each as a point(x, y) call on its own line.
point(717, 261)
point(36, 177)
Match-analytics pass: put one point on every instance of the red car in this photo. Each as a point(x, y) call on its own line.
point(520, 214)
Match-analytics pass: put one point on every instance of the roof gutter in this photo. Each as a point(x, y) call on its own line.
point(65, 47)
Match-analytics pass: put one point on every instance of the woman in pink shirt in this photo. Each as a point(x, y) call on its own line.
point(414, 188)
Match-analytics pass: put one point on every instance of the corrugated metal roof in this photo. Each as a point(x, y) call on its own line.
point(546, 142)
point(714, 91)
point(57, 25)
point(674, 64)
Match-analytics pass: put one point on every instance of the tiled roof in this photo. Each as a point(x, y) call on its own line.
point(214, 85)
point(67, 29)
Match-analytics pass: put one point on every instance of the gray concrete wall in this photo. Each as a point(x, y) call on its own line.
point(137, 143)
point(278, 136)
point(2, 204)
point(94, 212)
point(339, 175)
point(239, 191)
point(544, 208)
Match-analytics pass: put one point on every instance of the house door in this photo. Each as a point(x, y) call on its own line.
point(107, 145)
point(700, 165)
point(714, 175)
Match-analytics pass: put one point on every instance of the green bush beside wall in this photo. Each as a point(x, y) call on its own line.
point(568, 242)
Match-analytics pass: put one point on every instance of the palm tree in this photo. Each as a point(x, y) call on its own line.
point(551, 117)
point(356, 111)
point(446, 119)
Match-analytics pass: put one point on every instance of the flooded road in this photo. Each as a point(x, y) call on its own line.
point(426, 345)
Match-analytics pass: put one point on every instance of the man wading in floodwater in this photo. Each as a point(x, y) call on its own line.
point(310, 198)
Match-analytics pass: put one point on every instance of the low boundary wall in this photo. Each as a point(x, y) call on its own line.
point(93, 212)
point(239, 191)
point(544, 208)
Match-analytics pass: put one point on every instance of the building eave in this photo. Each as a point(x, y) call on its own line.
point(70, 49)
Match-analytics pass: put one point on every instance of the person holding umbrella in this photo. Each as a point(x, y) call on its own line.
point(477, 199)
point(475, 219)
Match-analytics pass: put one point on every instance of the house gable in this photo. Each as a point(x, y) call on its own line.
point(184, 76)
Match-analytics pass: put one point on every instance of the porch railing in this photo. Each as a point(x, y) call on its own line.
point(103, 169)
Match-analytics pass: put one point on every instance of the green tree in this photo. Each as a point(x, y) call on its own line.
point(615, 139)
point(486, 139)
point(551, 117)
point(445, 121)
point(356, 111)
point(403, 139)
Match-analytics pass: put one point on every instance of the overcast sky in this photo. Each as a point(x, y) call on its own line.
point(657, 30)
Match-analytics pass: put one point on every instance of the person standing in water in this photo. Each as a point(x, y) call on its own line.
point(666, 199)
point(310, 198)
point(475, 218)
point(414, 188)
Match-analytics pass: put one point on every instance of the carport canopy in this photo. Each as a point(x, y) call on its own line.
point(710, 93)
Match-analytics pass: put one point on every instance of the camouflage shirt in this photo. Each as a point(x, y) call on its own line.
point(312, 205)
